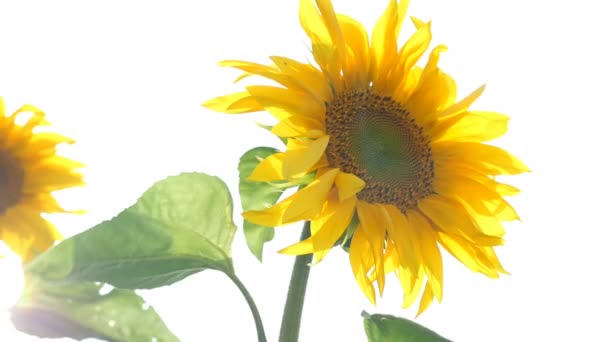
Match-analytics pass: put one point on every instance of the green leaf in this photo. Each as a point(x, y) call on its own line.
point(256, 196)
point(180, 226)
point(79, 311)
point(387, 328)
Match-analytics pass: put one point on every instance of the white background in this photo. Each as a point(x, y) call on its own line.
point(126, 80)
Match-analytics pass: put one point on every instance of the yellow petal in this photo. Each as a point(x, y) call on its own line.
point(312, 23)
point(373, 226)
point(489, 159)
point(269, 169)
point(328, 15)
point(463, 104)
point(476, 258)
point(271, 217)
point(299, 127)
point(361, 261)
point(300, 159)
point(326, 229)
point(426, 299)
point(475, 127)
point(292, 102)
point(431, 256)
point(305, 204)
point(236, 103)
point(452, 218)
point(411, 282)
point(384, 45)
point(403, 234)
point(348, 185)
point(435, 91)
point(482, 199)
point(391, 258)
point(409, 54)
point(357, 61)
point(326, 54)
point(308, 205)
point(306, 76)
point(26, 233)
point(266, 71)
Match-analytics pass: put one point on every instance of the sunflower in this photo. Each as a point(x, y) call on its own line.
point(30, 171)
point(392, 152)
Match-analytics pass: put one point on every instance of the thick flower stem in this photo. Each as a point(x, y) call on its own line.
point(292, 314)
point(254, 310)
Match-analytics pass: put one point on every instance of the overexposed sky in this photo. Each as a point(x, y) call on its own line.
point(126, 79)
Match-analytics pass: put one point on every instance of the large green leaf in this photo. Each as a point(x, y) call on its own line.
point(79, 311)
point(256, 196)
point(180, 226)
point(387, 328)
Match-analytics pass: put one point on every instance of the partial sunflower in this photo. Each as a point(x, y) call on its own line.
point(30, 171)
point(390, 148)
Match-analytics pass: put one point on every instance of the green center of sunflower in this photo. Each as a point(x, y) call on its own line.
point(375, 138)
point(11, 181)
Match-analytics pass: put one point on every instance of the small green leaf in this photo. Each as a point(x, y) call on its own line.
point(387, 328)
point(256, 196)
point(79, 311)
point(180, 226)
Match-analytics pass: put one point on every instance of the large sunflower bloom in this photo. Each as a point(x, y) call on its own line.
point(390, 148)
point(30, 171)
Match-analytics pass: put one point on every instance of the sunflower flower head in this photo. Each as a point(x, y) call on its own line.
point(30, 171)
point(391, 150)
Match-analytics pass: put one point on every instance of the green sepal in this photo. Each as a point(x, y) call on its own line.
point(382, 328)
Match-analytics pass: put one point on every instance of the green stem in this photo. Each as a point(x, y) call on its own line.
point(254, 309)
point(292, 314)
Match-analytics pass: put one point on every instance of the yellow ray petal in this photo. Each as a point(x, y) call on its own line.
point(360, 256)
point(435, 91)
point(299, 127)
point(26, 233)
point(311, 199)
point(391, 261)
point(237, 103)
point(475, 127)
point(482, 199)
point(312, 23)
point(411, 282)
point(384, 46)
point(305, 204)
point(463, 104)
point(357, 60)
point(409, 54)
point(328, 15)
point(431, 257)
point(291, 101)
point(476, 258)
point(326, 229)
point(301, 159)
point(326, 54)
point(269, 169)
point(348, 185)
point(373, 225)
point(403, 234)
point(426, 299)
point(42, 144)
point(306, 76)
point(452, 218)
point(489, 159)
